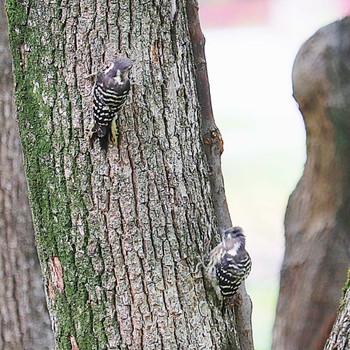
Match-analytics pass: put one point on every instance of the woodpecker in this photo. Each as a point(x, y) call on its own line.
point(109, 94)
point(229, 263)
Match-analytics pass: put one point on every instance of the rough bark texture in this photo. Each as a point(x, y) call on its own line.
point(119, 234)
point(213, 146)
point(339, 338)
point(24, 320)
point(317, 219)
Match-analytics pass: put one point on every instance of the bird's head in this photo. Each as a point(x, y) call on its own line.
point(119, 69)
point(233, 238)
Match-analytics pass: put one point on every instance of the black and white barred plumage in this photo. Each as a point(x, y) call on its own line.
point(109, 94)
point(229, 263)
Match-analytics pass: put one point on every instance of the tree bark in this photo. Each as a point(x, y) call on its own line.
point(119, 234)
point(24, 320)
point(317, 220)
point(340, 336)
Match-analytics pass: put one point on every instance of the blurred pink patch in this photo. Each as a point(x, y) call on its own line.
point(228, 13)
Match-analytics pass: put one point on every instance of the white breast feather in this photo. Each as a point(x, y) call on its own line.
point(233, 251)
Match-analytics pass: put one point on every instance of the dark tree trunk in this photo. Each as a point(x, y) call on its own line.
point(24, 320)
point(119, 234)
point(317, 219)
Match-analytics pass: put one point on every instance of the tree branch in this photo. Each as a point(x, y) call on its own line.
point(213, 146)
point(211, 134)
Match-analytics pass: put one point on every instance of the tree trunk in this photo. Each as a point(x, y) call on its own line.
point(119, 234)
point(317, 219)
point(24, 320)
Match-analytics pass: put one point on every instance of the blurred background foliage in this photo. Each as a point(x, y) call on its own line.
point(250, 49)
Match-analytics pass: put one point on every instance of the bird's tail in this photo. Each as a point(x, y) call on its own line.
point(101, 132)
point(104, 141)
